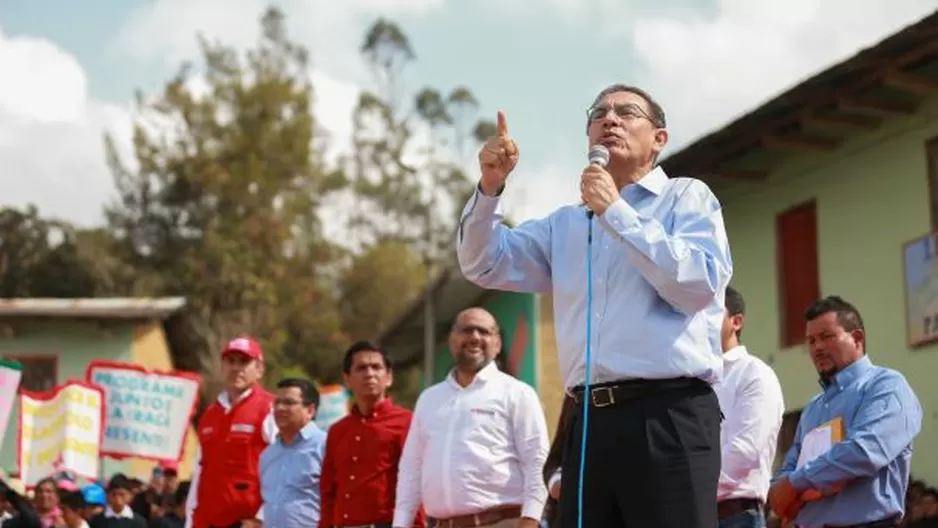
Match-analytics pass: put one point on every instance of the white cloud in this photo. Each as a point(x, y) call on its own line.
point(163, 31)
point(51, 132)
point(707, 70)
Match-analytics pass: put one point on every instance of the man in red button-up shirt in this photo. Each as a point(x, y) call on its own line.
point(359, 472)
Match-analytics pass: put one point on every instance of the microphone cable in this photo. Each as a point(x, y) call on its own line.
point(589, 361)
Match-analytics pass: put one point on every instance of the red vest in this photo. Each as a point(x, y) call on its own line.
point(229, 479)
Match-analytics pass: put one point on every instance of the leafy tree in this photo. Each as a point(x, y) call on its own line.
point(407, 164)
point(41, 257)
point(222, 204)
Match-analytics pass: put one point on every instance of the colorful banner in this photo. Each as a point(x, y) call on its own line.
point(10, 374)
point(333, 405)
point(60, 430)
point(148, 412)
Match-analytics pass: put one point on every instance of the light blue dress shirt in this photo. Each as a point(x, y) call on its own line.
point(290, 479)
point(881, 418)
point(661, 263)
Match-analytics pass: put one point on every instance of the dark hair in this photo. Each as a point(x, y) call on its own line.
point(657, 112)
point(931, 492)
point(847, 314)
point(72, 500)
point(119, 481)
point(735, 305)
point(364, 346)
point(308, 391)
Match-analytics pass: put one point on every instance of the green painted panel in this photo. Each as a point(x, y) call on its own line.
point(75, 343)
point(517, 314)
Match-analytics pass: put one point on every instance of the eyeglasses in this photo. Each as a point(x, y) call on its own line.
point(471, 329)
point(625, 111)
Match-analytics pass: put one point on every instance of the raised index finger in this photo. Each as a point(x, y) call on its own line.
point(501, 127)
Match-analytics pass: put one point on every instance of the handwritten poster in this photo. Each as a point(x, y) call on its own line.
point(148, 412)
point(60, 430)
point(333, 405)
point(10, 374)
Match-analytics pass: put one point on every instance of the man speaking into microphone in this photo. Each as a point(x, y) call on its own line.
point(652, 298)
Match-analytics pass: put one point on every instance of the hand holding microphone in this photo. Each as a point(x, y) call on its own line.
point(597, 188)
point(497, 158)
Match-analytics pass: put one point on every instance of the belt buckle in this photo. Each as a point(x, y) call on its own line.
point(599, 403)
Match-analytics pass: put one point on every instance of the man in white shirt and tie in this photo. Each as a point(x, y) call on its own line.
point(751, 398)
point(477, 442)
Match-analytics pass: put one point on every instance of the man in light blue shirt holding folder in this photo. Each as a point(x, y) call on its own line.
point(872, 416)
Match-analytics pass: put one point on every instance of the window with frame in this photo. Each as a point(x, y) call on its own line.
point(798, 280)
point(40, 373)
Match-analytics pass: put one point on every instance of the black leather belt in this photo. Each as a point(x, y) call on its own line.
point(730, 507)
point(606, 394)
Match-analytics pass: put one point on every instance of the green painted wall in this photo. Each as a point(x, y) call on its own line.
point(872, 198)
point(75, 343)
point(517, 315)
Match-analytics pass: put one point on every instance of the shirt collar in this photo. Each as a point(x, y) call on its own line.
point(652, 182)
point(848, 375)
point(381, 407)
point(487, 373)
point(225, 401)
point(735, 354)
point(305, 433)
point(126, 513)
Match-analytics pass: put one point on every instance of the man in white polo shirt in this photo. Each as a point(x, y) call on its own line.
point(751, 399)
point(477, 442)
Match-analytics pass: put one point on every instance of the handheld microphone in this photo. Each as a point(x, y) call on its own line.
point(598, 155)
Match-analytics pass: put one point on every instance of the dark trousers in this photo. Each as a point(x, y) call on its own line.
point(653, 460)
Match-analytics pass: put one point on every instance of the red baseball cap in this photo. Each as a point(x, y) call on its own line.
point(246, 346)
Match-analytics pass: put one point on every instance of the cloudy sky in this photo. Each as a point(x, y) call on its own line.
point(68, 70)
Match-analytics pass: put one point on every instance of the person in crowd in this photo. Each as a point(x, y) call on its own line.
point(174, 507)
point(552, 472)
point(95, 499)
point(233, 432)
point(850, 461)
point(660, 263)
point(118, 513)
point(291, 466)
point(46, 502)
point(147, 502)
point(363, 449)
point(751, 398)
point(15, 510)
point(73, 510)
point(475, 451)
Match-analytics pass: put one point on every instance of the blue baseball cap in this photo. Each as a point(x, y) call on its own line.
point(94, 495)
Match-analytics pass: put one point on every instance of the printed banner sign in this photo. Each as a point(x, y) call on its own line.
point(10, 374)
point(148, 412)
point(333, 405)
point(60, 430)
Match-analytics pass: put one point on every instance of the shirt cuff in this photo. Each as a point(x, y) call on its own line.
point(555, 478)
point(532, 509)
point(621, 217)
point(799, 481)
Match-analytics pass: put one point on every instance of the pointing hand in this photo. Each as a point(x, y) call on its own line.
point(497, 158)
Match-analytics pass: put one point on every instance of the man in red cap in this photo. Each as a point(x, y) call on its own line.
point(232, 434)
